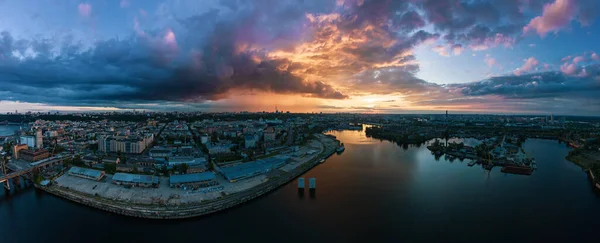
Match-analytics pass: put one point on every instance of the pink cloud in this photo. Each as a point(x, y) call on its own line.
point(595, 57)
point(441, 50)
point(529, 64)
point(493, 41)
point(564, 59)
point(136, 27)
point(578, 59)
point(546, 66)
point(85, 9)
point(489, 61)
point(582, 74)
point(568, 69)
point(124, 3)
point(554, 17)
point(169, 39)
point(457, 49)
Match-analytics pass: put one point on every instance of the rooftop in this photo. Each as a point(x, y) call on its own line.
point(132, 178)
point(190, 178)
point(85, 172)
point(253, 168)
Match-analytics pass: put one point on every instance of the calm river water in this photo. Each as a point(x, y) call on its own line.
point(374, 191)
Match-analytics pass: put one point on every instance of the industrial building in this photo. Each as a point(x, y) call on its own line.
point(158, 152)
point(33, 155)
point(86, 173)
point(254, 168)
point(186, 160)
point(135, 180)
point(193, 180)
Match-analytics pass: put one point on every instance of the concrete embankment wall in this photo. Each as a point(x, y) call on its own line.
point(594, 179)
point(182, 211)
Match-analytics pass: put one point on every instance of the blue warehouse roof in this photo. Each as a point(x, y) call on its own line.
point(85, 172)
point(132, 178)
point(191, 178)
point(254, 168)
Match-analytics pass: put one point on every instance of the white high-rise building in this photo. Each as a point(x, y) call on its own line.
point(29, 140)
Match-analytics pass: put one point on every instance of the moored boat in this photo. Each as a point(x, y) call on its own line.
point(341, 148)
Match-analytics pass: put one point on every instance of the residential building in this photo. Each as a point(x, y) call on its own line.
point(219, 149)
point(17, 148)
point(39, 139)
point(125, 144)
point(269, 134)
point(29, 140)
point(250, 141)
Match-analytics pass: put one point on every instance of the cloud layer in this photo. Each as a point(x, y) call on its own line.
point(186, 51)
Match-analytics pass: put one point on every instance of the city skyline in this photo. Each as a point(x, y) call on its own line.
point(419, 56)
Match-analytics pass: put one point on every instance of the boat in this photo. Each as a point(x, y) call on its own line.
point(521, 170)
point(322, 160)
point(341, 148)
point(472, 163)
point(488, 166)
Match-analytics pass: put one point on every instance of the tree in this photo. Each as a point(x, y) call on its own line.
point(7, 147)
point(183, 168)
point(110, 168)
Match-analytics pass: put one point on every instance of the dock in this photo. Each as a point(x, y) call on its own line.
point(312, 183)
point(521, 170)
point(301, 183)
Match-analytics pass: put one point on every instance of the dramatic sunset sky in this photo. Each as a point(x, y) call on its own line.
point(368, 56)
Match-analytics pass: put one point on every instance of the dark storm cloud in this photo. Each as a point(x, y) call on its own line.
point(361, 46)
point(202, 65)
point(537, 85)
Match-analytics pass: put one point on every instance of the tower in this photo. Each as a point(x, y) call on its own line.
point(446, 114)
point(39, 139)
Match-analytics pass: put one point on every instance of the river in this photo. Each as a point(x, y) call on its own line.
point(374, 191)
point(6, 130)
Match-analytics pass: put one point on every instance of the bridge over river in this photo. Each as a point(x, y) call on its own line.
point(20, 169)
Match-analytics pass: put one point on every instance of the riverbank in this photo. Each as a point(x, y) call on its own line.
point(586, 162)
point(166, 211)
point(594, 179)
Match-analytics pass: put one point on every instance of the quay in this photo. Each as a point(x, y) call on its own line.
point(187, 210)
